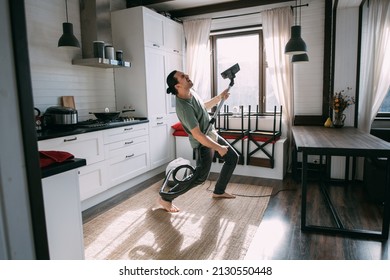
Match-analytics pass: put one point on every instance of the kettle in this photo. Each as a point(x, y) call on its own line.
point(38, 119)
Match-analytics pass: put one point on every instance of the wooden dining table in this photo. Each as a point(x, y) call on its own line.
point(344, 142)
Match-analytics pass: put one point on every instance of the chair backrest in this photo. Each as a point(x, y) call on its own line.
point(274, 127)
point(226, 120)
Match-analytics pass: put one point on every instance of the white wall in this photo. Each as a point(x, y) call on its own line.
point(346, 55)
point(16, 238)
point(308, 77)
point(52, 72)
point(346, 45)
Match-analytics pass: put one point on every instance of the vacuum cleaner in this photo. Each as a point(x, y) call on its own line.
point(178, 175)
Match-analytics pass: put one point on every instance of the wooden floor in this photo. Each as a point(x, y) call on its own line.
point(279, 236)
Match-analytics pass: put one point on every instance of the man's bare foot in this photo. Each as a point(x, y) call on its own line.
point(168, 206)
point(224, 195)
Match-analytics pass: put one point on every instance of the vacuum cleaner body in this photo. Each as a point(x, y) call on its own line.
point(179, 172)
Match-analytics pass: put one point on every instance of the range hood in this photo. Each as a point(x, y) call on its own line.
point(95, 23)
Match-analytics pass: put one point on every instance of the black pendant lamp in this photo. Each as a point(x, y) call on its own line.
point(300, 58)
point(68, 39)
point(296, 45)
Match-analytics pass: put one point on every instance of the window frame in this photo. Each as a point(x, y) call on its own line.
point(233, 32)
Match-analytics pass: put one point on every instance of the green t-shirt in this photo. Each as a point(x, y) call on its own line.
point(191, 113)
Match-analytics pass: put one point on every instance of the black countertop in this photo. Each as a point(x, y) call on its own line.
point(72, 130)
point(60, 167)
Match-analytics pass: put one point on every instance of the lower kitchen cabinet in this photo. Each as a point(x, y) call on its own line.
point(113, 155)
point(126, 152)
point(92, 179)
point(127, 163)
point(87, 145)
point(63, 216)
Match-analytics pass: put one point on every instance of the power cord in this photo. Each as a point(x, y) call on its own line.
point(254, 196)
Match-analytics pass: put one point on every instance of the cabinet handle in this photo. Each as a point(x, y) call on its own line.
point(130, 156)
point(156, 45)
point(176, 51)
point(128, 129)
point(159, 118)
point(128, 143)
point(160, 123)
point(71, 139)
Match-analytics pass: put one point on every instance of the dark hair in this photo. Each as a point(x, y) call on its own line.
point(171, 82)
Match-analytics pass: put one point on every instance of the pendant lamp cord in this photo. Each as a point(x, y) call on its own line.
point(295, 13)
point(66, 8)
point(300, 11)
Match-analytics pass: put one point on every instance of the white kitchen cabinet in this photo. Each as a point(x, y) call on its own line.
point(63, 216)
point(92, 179)
point(126, 152)
point(174, 62)
point(87, 145)
point(154, 44)
point(155, 82)
point(137, 31)
point(128, 162)
point(124, 132)
point(153, 29)
point(160, 148)
point(161, 32)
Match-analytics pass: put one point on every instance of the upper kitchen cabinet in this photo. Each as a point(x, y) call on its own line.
point(153, 43)
point(163, 33)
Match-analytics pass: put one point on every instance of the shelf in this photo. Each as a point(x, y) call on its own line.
point(101, 63)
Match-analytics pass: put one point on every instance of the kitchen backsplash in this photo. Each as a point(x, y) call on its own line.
point(52, 72)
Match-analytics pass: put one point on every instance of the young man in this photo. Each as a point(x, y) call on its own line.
point(193, 115)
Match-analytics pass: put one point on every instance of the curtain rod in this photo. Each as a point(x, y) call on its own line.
point(259, 12)
point(247, 14)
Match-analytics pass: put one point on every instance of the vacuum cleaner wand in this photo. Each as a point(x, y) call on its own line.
point(227, 74)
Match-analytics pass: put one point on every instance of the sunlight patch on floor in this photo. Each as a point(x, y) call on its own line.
point(114, 234)
point(268, 238)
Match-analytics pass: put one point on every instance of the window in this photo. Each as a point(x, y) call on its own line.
point(244, 47)
point(384, 110)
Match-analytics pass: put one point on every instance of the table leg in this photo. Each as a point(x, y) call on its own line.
point(304, 190)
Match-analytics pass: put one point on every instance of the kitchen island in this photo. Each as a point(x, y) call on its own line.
point(61, 196)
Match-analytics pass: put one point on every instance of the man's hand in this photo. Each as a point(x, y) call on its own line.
point(224, 95)
point(222, 150)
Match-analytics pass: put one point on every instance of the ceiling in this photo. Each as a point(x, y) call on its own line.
point(188, 8)
point(184, 8)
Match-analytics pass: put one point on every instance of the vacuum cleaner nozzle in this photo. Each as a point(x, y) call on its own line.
point(231, 72)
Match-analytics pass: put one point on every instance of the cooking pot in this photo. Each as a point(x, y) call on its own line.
point(60, 116)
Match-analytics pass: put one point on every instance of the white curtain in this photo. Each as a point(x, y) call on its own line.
point(375, 61)
point(276, 32)
point(197, 34)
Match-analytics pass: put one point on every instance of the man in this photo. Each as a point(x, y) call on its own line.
point(193, 115)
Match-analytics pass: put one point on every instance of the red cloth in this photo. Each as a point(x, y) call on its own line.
point(178, 126)
point(47, 158)
point(179, 130)
point(180, 133)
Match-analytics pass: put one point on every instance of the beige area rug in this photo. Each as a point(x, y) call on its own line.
point(204, 229)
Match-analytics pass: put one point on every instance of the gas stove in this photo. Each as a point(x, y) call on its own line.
point(95, 123)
